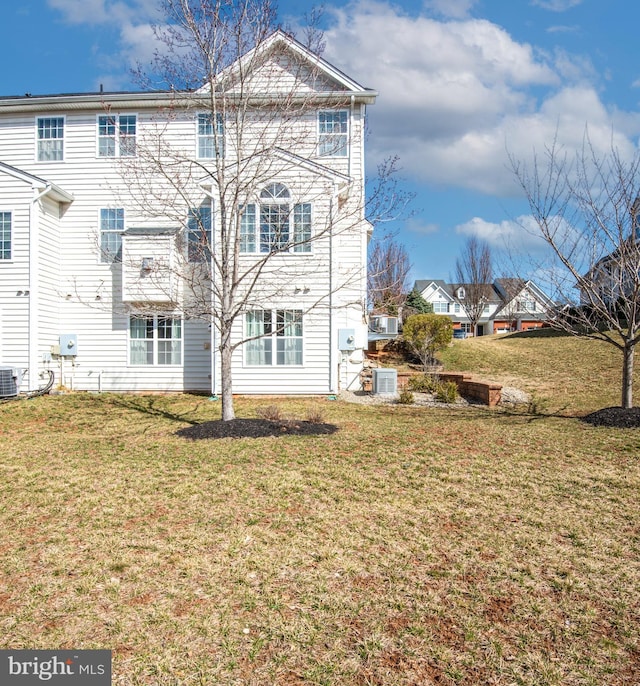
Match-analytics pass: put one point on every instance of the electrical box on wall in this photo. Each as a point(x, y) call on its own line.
point(347, 339)
point(68, 344)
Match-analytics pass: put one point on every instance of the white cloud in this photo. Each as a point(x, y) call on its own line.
point(521, 231)
point(424, 229)
point(455, 96)
point(559, 28)
point(81, 11)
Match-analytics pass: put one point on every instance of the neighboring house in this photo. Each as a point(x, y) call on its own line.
point(510, 305)
point(75, 250)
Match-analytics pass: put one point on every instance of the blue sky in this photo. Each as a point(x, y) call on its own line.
point(461, 82)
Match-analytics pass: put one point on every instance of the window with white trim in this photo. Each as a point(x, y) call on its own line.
point(526, 306)
point(111, 229)
point(279, 226)
point(441, 307)
point(117, 135)
point(155, 341)
point(210, 136)
point(50, 139)
point(276, 338)
point(5, 235)
point(199, 235)
point(333, 133)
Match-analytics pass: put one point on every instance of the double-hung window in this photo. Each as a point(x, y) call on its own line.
point(155, 341)
point(111, 229)
point(441, 307)
point(5, 235)
point(210, 135)
point(275, 338)
point(50, 139)
point(117, 135)
point(275, 225)
point(333, 133)
point(199, 234)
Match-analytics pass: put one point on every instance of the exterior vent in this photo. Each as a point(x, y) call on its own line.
point(9, 382)
point(385, 380)
point(385, 325)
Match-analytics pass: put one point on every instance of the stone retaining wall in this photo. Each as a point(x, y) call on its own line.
point(486, 392)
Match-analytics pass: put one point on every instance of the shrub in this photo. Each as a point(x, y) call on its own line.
point(271, 413)
point(447, 392)
point(406, 397)
point(315, 416)
point(420, 383)
point(426, 334)
point(423, 383)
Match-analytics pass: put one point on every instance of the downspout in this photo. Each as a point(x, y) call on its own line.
point(332, 382)
point(351, 112)
point(212, 339)
point(34, 285)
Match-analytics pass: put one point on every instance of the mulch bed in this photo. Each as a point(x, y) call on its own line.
point(254, 428)
point(617, 417)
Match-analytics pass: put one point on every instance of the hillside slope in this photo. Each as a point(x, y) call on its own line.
point(577, 375)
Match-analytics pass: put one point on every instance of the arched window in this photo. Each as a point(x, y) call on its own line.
point(275, 225)
point(275, 191)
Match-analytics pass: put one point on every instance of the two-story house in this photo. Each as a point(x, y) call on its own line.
point(509, 305)
point(111, 272)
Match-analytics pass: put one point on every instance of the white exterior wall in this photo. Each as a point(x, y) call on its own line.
point(15, 197)
point(79, 294)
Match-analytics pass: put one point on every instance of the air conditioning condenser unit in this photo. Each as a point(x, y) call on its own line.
point(385, 380)
point(10, 378)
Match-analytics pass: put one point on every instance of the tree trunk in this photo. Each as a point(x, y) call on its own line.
point(228, 411)
point(627, 376)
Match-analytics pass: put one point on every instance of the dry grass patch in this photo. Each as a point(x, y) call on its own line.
point(412, 546)
point(572, 375)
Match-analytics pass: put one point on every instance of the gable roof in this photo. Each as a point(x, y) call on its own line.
point(43, 185)
point(422, 285)
point(281, 41)
point(291, 159)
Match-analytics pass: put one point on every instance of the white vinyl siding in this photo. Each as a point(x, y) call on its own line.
point(50, 137)
point(5, 235)
point(117, 135)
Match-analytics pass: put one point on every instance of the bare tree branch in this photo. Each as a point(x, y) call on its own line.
point(586, 211)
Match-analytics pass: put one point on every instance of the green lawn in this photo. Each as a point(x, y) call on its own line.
point(413, 546)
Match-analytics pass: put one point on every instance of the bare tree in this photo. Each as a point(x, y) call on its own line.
point(387, 274)
point(253, 91)
point(474, 275)
point(586, 210)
